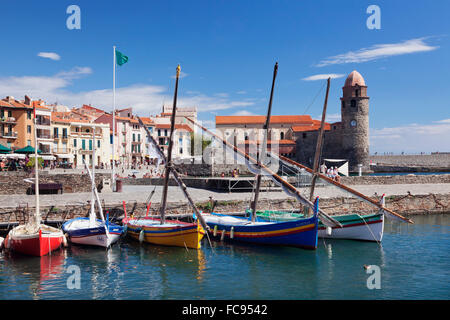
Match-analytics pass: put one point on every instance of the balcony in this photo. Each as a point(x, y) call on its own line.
point(8, 120)
point(62, 150)
point(59, 136)
point(44, 136)
point(42, 122)
point(9, 135)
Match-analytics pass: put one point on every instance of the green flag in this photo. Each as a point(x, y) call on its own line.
point(120, 58)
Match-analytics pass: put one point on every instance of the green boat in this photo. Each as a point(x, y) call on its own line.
point(354, 226)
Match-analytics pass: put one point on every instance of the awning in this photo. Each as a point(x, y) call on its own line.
point(65, 156)
point(45, 143)
point(15, 156)
point(44, 157)
point(343, 166)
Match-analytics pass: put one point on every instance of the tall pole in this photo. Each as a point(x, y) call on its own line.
point(168, 164)
point(113, 181)
point(92, 215)
point(319, 146)
point(261, 156)
point(36, 168)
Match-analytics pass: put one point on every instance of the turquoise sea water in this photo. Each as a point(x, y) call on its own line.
point(414, 263)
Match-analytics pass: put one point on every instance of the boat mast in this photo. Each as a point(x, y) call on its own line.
point(287, 187)
point(168, 163)
point(177, 178)
point(92, 214)
point(37, 215)
point(318, 147)
point(262, 155)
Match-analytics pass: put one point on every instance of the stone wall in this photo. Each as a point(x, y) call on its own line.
point(405, 205)
point(13, 182)
point(426, 160)
point(388, 180)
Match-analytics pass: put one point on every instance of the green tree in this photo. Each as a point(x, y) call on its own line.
point(197, 137)
point(30, 163)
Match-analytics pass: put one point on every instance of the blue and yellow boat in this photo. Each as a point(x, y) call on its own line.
point(301, 233)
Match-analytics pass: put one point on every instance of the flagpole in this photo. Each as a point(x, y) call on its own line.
point(113, 183)
point(36, 168)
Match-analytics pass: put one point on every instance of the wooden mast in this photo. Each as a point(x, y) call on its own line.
point(177, 178)
point(168, 163)
point(262, 155)
point(289, 188)
point(319, 146)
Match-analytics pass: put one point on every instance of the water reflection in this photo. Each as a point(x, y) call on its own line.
point(39, 272)
point(413, 259)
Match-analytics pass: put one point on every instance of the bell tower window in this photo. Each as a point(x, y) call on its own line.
point(353, 103)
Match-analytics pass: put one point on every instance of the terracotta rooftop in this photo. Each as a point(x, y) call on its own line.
point(294, 119)
point(284, 141)
point(177, 126)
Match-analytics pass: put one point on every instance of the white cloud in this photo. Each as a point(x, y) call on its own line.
point(412, 138)
point(379, 51)
point(243, 113)
point(49, 55)
point(241, 92)
point(323, 76)
point(333, 117)
point(145, 99)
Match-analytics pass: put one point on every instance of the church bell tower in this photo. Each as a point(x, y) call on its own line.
point(355, 122)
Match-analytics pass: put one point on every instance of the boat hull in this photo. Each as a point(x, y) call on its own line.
point(356, 227)
point(78, 232)
point(173, 233)
point(298, 233)
point(38, 244)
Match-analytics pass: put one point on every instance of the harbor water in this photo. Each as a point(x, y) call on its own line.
point(413, 262)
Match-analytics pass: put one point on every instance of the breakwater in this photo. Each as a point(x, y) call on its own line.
point(411, 163)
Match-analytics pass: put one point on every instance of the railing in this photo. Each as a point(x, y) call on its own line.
point(44, 136)
point(9, 135)
point(62, 136)
point(61, 150)
point(8, 120)
point(42, 122)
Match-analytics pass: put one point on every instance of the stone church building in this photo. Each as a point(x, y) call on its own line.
point(296, 135)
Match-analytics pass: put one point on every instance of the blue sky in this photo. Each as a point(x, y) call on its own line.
point(227, 50)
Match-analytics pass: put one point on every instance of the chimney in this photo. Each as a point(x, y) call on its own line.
point(10, 99)
point(27, 100)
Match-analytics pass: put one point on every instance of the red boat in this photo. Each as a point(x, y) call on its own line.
point(34, 238)
point(35, 243)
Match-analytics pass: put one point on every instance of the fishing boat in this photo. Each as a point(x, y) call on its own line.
point(90, 230)
point(302, 232)
point(354, 226)
point(162, 231)
point(171, 233)
point(34, 238)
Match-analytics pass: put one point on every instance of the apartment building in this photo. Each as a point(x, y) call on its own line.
point(16, 123)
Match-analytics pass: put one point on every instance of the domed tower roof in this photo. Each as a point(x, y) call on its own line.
point(353, 79)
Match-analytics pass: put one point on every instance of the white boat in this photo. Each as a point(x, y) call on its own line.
point(92, 231)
